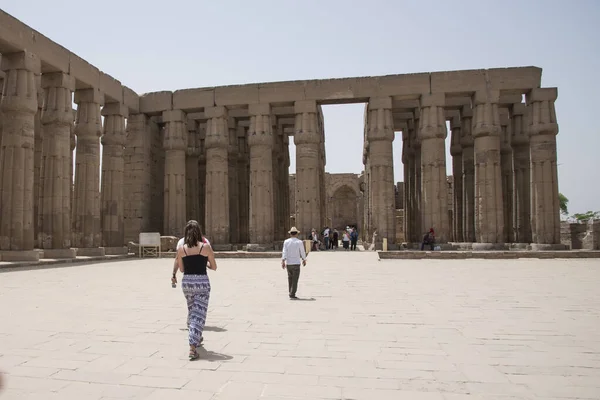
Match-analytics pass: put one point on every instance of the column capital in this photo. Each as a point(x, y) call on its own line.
point(57, 79)
point(542, 94)
point(176, 135)
point(217, 132)
point(193, 138)
point(432, 123)
point(89, 96)
point(486, 120)
point(21, 60)
point(517, 109)
point(542, 114)
point(376, 103)
point(484, 97)
point(115, 109)
point(173, 116)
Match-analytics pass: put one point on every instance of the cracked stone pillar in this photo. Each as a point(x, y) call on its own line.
point(217, 175)
point(87, 233)
point(234, 195)
point(113, 178)
point(56, 181)
point(489, 216)
point(381, 136)
point(37, 157)
point(521, 174)
point(408, 159)
point(308, 164)
point(457, 172)
point(243, 185)
point(202, 176)
point(432, 134)
point(192, 170)
point(416, 220)
point(506, 166)
point(260, 142)
point(543, 128)
point(468, 169)
point(18, 108)
point(175, 146)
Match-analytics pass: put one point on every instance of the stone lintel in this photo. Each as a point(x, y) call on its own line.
point(193, 99)
point(433, 100)
point(451, 114)
point(244, 123)
point(518, 109)
point(21, 60)
point(401, 126)
point(115, 109)
point(111, 88)
point(506, 99)
point(542, 94)
point(89, 96)
point(305, 106)
point(466, 112)
point(58, 79)
point(376, 103)
point(259, 109)
point(156, 102)
point(486, 96)
point(455, 122)
point(173, 116)
point(287, 121)
point(403, 116)
point(288, 130)
point(215, 112)
point(198, 116)
point(131, 100)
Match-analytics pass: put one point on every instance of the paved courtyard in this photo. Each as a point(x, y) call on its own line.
point(364, 329)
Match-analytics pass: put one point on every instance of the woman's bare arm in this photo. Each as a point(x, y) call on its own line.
point(179, 260)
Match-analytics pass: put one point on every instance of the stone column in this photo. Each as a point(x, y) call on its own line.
point(413, 132)
point(217, 176)
point(468, 169)
point(18, 109)
point(543, 128)
point(73, 143)
point(521, 174)
point(286, 183)
point(202, 175)
point(276, 176)
point(432, 134)
point(113, 178)
point(506, 166)
point(381, 135)
point(243, 185)
point(457, 173)
point(260, 142)
point(175, 145)
point(308, 164)
point(489, 216)
point(234, 194)
point(192, 171)
point(54, 234)
point(408, 159)
point(323, 162)
point(87, 233)
point(37, 158)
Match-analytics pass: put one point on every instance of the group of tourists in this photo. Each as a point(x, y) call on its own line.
point(332, 238)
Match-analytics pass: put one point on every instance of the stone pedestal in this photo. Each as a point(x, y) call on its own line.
point(545, 209)
point(22, 255)
point(90, 252)
point(489, 216)
point(521, 174)
point(260, 142)
point(88, 128)
point(175, 145)
point(432, 134)
point(115, 251)
point(192, 170)
point(506, 166)
point(18, 109)
point(113, 178)
point(232, 175)
point(457, 173)
point(59, 253)
point(217, 175)
point(56, 180)
point(468, 170)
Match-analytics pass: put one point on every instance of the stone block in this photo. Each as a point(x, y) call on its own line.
point(509, 99)
point(215, 112)
point(115, 109)
point(131, 100)
point(380, 102)
point(21, 60)
point(334, 90)
point(222, 247)
point(520, 78)
point(458, 81)
point(173, 115)
point(113, 251)
point(280, 92)
point(59, 253)
point(193, 99)
point(155, 103)
point(111, 88)
point(259, 109)
point(401, 85)
point(168, 243)
point(486, 96)
point(305, 106)
point(89, 96)
point(90, 252)
point(58, 79)
point(236, 95)
point(20, 255)
point(548, 247)
point(86, 75)
point(488, 246)
point(259, 247)
point(433, 100)
point(542, 94)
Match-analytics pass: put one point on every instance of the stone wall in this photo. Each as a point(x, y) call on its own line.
point(579, 236)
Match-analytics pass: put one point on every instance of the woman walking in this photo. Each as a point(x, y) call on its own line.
point(193, 258)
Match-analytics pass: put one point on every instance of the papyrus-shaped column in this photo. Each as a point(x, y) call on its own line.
point(243, 173)
point(308, 164)
point(192, 170)
point(432, 134)
point(381, 160)
point(175, 145)
point(113, 175)
point(457, 173)
point(37, 156)
point(489, 216)
point(286, 183)
point(506, 166)
point(217, 175)
point(468, 170)
point(323, 162)
point(202, 174)
point(521, 174)
point(543, 128)
point(260, 142)
point(88, 128)
point(408, 159)
point(56, 180)
point(277, 233)
point(413, 129)
point(18, 108)
point(234, 195)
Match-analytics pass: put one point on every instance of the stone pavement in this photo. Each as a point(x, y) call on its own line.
point(365, 329)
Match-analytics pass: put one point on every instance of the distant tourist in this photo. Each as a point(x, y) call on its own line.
point(346, 240)
point(193, 258)
point(314, 237)
point(428, 239)
point(353, 238)
point(336, 239)
point(292, 256)
point(326, 238)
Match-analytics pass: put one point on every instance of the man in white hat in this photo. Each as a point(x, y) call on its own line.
point(293, 254)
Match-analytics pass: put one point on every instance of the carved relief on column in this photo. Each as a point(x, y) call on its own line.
point(260, 142)
point(202, 175)
point(457, 173)
point(217, 175)
point(234, 195)
point(521, 174)
point(175, 145)
point(381, 135)
point(506, 166)
point(489, 216)
point(468, 169)
point(37, 156)
point(192, 171)
point(18, 108)
point(543, 128)
point(432, 134)
point(56, 180)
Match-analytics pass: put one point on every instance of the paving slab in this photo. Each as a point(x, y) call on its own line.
point(363, 328)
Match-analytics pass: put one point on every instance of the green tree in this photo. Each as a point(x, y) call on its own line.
point(563, 204)
point(587, 216)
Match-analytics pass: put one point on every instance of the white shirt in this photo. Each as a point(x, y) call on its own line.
point(326, 233)
point(293, 251)
point(180, 242)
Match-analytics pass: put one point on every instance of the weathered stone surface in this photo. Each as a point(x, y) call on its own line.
point(169, 243)
point(175, 146)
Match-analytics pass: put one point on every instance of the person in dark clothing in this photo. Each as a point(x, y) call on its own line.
point(336, 238)
point(353, 239)
point(428, 239)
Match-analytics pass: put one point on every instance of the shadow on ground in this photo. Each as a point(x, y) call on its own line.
point(214, 329)
point(208, 355)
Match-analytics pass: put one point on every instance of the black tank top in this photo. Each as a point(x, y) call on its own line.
point(194, 264)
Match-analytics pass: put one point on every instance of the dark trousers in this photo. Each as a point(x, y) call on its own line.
point(426, 244)
point(293, 276)
point(353, 244)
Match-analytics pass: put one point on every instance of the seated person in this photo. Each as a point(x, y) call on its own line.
point(428, 239)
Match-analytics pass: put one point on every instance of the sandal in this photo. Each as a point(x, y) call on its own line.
point(194, 354)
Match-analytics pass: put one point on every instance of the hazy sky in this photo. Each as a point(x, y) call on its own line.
point(168, 45)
